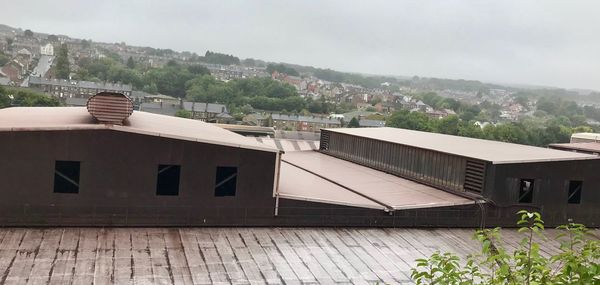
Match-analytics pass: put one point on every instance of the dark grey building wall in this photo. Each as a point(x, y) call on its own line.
point(118, 180)
point(550, 189)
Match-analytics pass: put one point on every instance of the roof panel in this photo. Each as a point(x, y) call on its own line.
point(69, 118)
point(493, 151)
point(297, 184)
point(582, 146)
point(382, 188)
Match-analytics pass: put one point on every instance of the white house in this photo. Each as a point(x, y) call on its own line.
point(47, 49)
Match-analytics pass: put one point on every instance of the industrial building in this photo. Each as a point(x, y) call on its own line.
point(505, 177)
point(110, 165)
point(62, 166)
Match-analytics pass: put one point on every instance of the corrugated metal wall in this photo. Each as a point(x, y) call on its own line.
point(429, 167)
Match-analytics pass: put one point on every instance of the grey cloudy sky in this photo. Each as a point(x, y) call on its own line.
point(551, 43)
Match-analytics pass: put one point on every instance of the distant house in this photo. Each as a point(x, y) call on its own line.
point(292, 122)
point(482, 124)
point(303, 123)
point(160, 108)
point(435, 114)
point(4, 80)
point(363, 106)
point(358, 115)
point(422, 106)
point(47, 49)
point(75, 89)
point(213, 113)
point(13, 70)
point(207, 112)
point(371, 123)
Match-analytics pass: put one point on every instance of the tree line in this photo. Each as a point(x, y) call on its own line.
point(528, 131)
point(25, 98)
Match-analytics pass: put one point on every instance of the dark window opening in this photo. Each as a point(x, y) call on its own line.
point(66, 177)
point(575, 192)
point(226, 181)
point(526, 191)
point(167, 182)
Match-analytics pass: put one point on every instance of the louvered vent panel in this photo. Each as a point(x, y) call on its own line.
point(110, 108)
point(324, 144)
point(474, 176)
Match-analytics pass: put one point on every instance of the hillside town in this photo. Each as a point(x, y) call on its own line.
point(293, 142)
point(30, 61)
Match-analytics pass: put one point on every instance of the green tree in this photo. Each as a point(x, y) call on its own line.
point(130, 63)
point(62, 67)
point(282, 69)
point(268, 122)
point(410, 120)
point(353, 123)
point(4, 99)
point(448, 125)
point(25, 98)
point(28, 33)
point(183, 114)
point(198, 69)
point(86, 44)
point(4, 59)
point(577, 261)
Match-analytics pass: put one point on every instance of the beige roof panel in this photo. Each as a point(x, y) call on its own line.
point(297, 184)
point(77, 118)
point(384, 189)
point(493, 151)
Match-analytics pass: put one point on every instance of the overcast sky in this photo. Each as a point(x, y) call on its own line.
point(550, 43)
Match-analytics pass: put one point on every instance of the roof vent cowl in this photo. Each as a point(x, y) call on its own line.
point(110, 108)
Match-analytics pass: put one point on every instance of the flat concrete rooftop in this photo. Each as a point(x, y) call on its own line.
point(313, 176)
point(226, 255)
point(487, 150)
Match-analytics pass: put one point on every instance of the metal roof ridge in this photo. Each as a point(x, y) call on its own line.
point(141, 131)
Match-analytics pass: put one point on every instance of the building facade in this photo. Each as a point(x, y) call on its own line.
point(152, 170)
point(75, 89)
point(507, 177)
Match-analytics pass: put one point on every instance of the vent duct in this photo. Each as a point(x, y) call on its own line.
point(474, 176)
point(110, 108)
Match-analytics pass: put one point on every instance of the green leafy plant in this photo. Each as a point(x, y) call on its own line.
point(577, 262)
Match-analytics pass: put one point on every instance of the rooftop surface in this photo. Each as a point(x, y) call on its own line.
point(583, 146)
point(78, 118)
point(228, 255)
point(313, 176)
point(586, 136)
point(487, 150)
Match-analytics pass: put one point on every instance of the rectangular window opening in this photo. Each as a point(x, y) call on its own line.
point(526, 191)
point(575, 191)
point(66, 177)
point(167, 182)
point(226, 181)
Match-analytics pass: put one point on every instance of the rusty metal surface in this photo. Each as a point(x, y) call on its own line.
point(110, 108)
